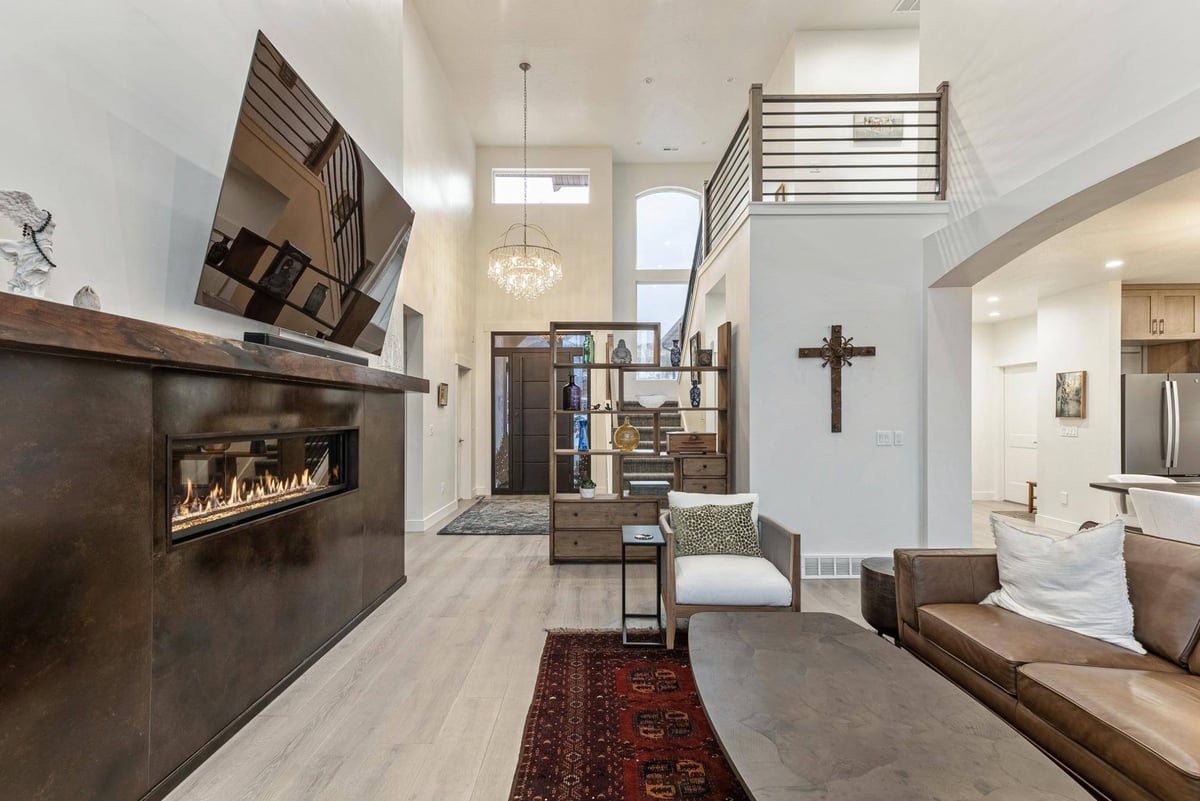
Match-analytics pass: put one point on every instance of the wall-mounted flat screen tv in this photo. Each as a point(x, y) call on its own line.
point(308, 235)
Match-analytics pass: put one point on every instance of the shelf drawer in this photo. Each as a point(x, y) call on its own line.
point(704, 467)
point(592, 545)
point(715, 486)
point(604, 514)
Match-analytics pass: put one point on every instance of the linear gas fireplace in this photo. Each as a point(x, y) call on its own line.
point(219, 482)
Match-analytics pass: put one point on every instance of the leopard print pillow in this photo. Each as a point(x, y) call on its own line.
point(715, 529)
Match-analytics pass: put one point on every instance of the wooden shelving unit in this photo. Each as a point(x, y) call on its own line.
point(590, 529)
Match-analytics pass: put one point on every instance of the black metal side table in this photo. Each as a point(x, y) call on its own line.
point(643, 536)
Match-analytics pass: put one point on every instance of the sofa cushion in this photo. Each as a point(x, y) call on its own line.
point(1144, 723)
point(723, 580)
point(715, 529)
point(1075, 582)
point(1164, 587)
point(995, 642)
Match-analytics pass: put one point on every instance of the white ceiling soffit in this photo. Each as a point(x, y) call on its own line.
point(1155, 234)
point(672, 75)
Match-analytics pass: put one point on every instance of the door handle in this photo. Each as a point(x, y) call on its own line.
point(1178, 424)
point(1162, 325)
point(1169, 424)
point(1154, 326)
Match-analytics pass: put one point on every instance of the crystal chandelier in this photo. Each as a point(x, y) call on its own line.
point(523, 269)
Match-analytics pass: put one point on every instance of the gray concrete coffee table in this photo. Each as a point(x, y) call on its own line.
point(812, 706)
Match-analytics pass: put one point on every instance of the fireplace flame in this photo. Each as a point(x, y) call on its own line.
point(241, 496)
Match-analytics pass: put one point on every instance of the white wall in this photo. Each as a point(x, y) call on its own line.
point(840, 491)
point(437, 282)
point(121, 114)
point(994, 346)
point(583, 234)
point(1033, 83)
point(1079, 330)
point(127, 115)
point(854, 61)
point(1047, 101)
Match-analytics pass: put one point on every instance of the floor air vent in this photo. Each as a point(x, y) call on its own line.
point(847, 567)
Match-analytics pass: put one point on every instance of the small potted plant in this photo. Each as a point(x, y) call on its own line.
point(587, 488)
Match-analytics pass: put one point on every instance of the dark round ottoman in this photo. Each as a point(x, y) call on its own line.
point(878, 587)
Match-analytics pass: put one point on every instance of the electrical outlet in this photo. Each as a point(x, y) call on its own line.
point(443, 488)
point(431, 429)
point(1062, 498)
point(883, 438)
point(898, 438)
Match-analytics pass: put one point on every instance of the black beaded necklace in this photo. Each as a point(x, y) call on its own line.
point(31, 232)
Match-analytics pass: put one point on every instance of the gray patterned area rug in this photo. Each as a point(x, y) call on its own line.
point(513, 514)
point(1028, 517)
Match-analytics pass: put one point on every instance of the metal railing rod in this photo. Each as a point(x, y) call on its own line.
point(854, 180)
point(727, 218)
point(840, 152)
point(881, 98)
point(730, 179)
point(848, 166)
point(737, 135)
point(744, 189)
point(864, 194)
point(850, 111)
point(853, 125)
point(852, 139)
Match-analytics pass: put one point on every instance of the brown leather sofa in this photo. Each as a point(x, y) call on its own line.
point(1126, 725)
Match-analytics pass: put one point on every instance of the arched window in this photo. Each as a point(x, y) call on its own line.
point(668, 223)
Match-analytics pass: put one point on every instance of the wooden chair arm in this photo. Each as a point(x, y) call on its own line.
point(782, 548)
point(668, 560)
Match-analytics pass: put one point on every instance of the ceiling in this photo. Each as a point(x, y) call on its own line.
point(591, 61)
point(1156, 234)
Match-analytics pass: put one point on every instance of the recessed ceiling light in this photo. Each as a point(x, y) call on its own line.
point(1113, 264)
point(993, 314)
point(730, 80)
point(648, 80)
point(994, 299)
point(639, 141)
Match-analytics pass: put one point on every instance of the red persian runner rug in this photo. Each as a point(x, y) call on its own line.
point(610, 723)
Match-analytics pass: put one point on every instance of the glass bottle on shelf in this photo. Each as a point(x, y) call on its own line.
point(583, 445)
point(571, 395)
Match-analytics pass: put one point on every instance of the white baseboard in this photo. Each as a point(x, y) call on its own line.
point(984, 495)
point(423, 524)
point(1056, 523)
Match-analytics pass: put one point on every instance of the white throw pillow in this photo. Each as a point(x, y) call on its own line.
point(1076, 582)
point(687, 500)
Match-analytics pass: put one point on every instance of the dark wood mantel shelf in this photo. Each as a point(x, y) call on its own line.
point(43, 326)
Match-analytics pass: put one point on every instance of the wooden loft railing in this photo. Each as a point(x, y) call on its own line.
point(796, 148)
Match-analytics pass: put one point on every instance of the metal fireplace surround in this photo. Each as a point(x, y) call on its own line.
point(130, 657)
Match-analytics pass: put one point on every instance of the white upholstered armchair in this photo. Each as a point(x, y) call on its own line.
point(725, 583)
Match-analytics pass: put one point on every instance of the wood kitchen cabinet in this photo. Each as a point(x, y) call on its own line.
point(1160, 311)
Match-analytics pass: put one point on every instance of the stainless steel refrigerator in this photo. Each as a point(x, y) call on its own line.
point(1160, 433)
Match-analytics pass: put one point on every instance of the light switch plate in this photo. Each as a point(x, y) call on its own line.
point(883, 438)
point(898, 438)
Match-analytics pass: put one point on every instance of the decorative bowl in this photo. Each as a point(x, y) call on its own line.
point(651, 401)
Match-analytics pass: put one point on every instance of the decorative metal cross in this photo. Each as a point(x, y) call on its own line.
point(836, 351)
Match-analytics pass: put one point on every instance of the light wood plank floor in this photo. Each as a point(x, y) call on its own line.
point(426, 699)
point(981, 527)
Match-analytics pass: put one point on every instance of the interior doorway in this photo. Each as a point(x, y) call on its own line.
point(1020, 430)
point(464, 467)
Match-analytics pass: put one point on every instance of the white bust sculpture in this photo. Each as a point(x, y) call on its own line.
point(32, 255)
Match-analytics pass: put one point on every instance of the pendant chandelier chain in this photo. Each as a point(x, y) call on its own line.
point(523, 270)
point(525, 152)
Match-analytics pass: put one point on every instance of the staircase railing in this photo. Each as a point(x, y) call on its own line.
point(796, 148)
